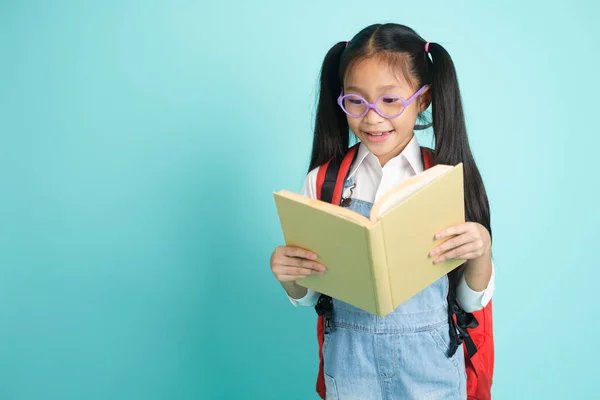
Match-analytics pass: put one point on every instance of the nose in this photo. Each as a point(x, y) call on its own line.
point(372, 118)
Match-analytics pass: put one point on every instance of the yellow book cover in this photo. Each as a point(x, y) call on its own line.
point(377, 263)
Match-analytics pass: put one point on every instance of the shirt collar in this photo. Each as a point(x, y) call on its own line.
point(411, 155)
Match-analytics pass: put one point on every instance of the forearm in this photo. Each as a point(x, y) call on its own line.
point(478, 272)
point(294, 290)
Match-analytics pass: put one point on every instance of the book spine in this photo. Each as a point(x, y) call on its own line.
point(379, 269)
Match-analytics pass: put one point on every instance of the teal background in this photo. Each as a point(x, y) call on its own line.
point(141, 142)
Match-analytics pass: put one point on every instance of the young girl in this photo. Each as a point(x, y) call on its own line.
point(376, 86)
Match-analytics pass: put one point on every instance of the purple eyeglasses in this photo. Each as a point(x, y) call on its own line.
point(387, 106)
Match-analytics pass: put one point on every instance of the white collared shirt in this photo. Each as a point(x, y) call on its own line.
point(376, 181)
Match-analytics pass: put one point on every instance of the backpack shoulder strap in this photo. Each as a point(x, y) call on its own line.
point(330, 182)
point(428, 157)
point(333, 174)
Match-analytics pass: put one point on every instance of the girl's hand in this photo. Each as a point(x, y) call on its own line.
point(471, 242)
point(292, 263)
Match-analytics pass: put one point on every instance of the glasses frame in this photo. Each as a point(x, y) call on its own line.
point(372, 106)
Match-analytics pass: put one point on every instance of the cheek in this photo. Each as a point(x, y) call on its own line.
point(402, 125)
point(405, 123)
point(354, 124)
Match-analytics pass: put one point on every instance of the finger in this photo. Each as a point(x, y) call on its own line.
point(451, 244)
point(312, 265)
point(457, 253)
point(303, 263)
point(298, 252)
point(453, 230)
point(299, 271)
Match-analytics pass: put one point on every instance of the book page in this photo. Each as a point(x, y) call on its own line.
point(400, 193)
point(343, 246)
point(326, 207)
point(409, 234)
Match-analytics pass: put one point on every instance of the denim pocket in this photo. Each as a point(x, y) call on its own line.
point(441, 337)
point(330, 388)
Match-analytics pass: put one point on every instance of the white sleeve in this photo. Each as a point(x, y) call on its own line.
point(308, 190)
point(310, 300)
point(471, 300)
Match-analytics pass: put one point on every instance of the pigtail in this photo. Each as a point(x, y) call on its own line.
point(449, 128)
point(451, 142)
point(331, 134)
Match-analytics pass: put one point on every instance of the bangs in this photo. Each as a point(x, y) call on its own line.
point(400, 63)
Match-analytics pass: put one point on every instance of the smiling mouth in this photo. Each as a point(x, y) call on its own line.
point(378, 133)
point(378, 136)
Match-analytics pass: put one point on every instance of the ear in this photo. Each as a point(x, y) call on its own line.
point(424, 100)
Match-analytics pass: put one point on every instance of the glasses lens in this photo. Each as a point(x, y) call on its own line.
point(354, 105)
point(390, 106)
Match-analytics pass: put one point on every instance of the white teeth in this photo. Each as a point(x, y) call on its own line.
point(378, 134)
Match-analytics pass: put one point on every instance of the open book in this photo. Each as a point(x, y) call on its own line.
point(377, 263)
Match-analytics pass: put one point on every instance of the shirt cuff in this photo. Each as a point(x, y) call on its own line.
point(310, 299)
point(471, 300)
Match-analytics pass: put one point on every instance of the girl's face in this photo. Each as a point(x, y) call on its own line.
point(372, 78)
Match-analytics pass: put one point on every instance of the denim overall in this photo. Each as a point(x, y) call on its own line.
point(398, 356)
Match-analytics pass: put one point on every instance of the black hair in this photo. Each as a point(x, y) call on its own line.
point(401, 45)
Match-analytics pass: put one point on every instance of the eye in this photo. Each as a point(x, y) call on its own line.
point(389, 100)
point(356, 101)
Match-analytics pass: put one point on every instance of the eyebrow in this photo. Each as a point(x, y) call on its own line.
point(380, 88)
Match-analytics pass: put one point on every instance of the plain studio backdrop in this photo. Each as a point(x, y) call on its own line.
point(141, 142)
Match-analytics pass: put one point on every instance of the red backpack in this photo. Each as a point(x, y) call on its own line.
point(474, 329)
